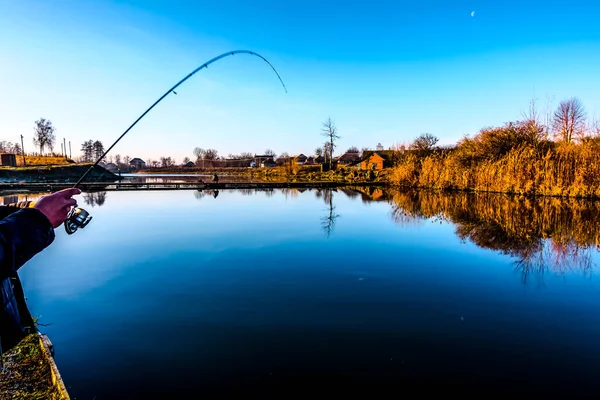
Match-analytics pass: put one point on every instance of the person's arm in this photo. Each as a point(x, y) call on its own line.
point(23, 234)
point(28, 231)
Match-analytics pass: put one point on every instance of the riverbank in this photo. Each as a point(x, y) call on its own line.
point(54, 173)
point(31, 372)
point(489, 163)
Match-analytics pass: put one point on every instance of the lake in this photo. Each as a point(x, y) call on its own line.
point(187, 294)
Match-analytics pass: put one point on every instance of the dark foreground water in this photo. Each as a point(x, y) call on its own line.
point(186, 295)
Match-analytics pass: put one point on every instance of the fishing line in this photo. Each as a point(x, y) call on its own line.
point(78, 217)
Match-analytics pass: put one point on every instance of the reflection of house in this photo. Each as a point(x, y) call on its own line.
point(137, 163)
point(348, 158)
point(376, 160)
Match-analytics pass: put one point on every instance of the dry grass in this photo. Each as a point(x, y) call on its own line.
point(507, 164)
point(43, 160)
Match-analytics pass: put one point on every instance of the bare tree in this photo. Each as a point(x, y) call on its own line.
point(569, 120)
point(117, 159)
point(98, 149)
point(353, 149)
point(329, 130)
point(246, 155)
point(379, 146)
point(185, 160)
point(211, 154)
point(424, 142)
point(166, 162)
point(126, 160)
point(319, 151)
point(269, 152)
point(43, 134)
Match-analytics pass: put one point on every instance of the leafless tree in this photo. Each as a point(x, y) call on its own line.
point(379, 146)
point(166, 162)
point(246, 155)
point(199, 153)
point(569, 120)
point(329, 130)
point(43, 134)
point(353, 149)
point(319, 151)
point(424, 142)
point(269, 152)
point(211, 154)
point(185, 160)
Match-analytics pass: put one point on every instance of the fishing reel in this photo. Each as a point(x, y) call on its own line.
point(77, 218)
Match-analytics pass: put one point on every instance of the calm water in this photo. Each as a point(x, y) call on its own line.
point(186, 295)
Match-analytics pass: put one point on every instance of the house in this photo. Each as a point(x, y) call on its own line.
point(310, 160)
point(348, 158)
point(189, 164)
point(9, 160)
point(300, 159)
point(259, 159)
point(268, 163)
point(137, 163)
point(111, 167)
point(319, 160)
point(376, 160)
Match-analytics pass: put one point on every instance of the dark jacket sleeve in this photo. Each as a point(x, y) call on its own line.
point(23, 234)
point(5, 211)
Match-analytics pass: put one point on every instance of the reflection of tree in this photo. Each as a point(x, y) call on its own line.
point(328, 221)
point(542, 233)
point(94, 198)
point(200, 193)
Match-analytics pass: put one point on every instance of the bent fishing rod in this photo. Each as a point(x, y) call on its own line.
point(78, 217)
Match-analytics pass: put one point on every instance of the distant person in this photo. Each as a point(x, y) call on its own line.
point(26, 228)
point(215, 178)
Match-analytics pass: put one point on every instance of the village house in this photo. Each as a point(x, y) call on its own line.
point(137, 163)
point(348, 158)
point(376, 160)
point(300, 159)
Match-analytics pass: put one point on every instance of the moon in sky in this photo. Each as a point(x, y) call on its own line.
point(472, 13)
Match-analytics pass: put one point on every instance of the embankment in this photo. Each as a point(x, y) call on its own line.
point(55, 173)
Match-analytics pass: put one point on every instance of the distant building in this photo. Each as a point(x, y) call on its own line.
point(376, 160)
point(348, 158)
point(260, 159)
point(137, 163)
point(8, 160)
point(268, 164)
point(189, 164)
point(300, 159)
point(111, 168)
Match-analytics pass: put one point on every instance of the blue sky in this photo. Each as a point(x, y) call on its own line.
point(385, 71)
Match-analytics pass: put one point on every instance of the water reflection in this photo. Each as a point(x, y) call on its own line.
point(328, 221)
point(544, 234)
point(94, 198)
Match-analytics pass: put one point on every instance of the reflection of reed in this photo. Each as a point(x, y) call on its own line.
point(543, 233)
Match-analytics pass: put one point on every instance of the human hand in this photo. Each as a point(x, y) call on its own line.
point(56, 206)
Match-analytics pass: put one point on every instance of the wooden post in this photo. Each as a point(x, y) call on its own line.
point(23, 151)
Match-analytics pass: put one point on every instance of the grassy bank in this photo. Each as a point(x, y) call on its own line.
point(54, 173)
point(28, 373)
point(511, 159)
point(295, 173)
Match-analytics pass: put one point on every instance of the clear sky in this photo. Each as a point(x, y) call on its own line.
point(385, 71)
